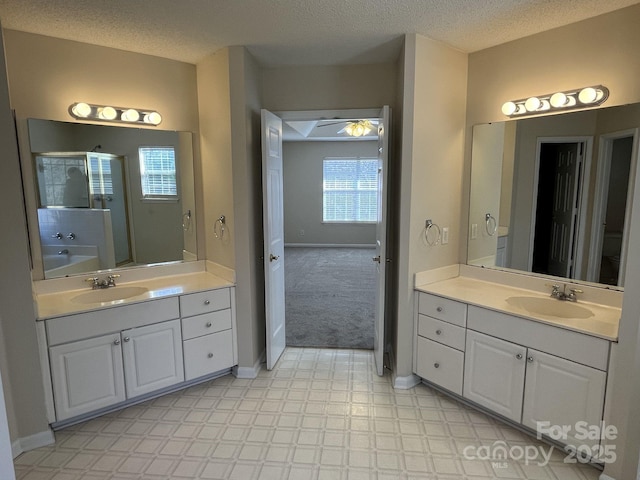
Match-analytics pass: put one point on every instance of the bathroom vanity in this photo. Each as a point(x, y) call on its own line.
point(517, 353)
point(101, 352)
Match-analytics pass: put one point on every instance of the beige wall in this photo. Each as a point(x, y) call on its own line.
point(45, 76)
point(303, 193)
point(435, 79)
point(601, 50)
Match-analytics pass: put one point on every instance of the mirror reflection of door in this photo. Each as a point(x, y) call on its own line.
point(557, 208)
point(107, 186)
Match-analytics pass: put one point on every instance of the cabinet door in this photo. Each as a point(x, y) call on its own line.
point(87, 375)
point(494, 374)
point(152, 357)
point(562, 392)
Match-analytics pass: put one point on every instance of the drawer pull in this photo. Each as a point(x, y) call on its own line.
point(210, 355)
point(530, 359)
point(439, 309)
point(208, 325)
point(437, 365)
point(438, 332)
point(207, 302)
point(519, 356)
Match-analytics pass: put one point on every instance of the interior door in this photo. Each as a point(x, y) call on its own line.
point(381, 238)
point(273, 223)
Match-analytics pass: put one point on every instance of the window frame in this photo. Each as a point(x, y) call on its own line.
point(167, 197)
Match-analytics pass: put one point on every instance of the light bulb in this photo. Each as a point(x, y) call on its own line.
point(153, 118)
point(532, 104)
point(509, 108)
point(107, 113)
point(81, 109)
point(589, 95)
point(358, 130)
point(558, 100)
point(130, 115)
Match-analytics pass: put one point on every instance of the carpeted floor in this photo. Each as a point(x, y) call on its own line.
point(330, 297)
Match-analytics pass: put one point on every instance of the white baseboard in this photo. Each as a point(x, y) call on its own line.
point(32, 442)
point(405, 383)
point(250, 372)
point(330, 245)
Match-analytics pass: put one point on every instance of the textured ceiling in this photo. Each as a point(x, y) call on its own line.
point(294, 32)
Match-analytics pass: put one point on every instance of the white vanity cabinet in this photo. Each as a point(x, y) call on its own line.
point(440, 341)
point(208, 333)
point(523, 370)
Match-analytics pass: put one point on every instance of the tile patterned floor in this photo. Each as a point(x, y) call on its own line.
point(321, 414)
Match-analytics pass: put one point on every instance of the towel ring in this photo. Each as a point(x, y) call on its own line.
point(427, 228)
point(490, 224)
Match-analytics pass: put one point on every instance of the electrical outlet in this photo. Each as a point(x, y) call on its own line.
point(301, 233)
point(445, 235)
point(474, 231)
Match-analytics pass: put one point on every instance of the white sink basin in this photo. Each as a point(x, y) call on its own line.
point(111, 294)
point(550, 307)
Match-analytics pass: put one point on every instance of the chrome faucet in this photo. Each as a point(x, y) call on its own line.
point(63, 252)
point(563, 295)
point(109, 281)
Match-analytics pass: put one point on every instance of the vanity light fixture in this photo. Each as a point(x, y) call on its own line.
point(87, 111)
point(570, 99)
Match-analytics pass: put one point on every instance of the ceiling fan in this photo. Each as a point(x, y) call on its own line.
point(354, 127)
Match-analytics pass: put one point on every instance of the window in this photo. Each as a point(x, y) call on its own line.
point(350, 190)
point(158, 172)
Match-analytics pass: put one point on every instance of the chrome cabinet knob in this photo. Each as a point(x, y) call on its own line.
point(530, 359)
point(437, 365)
point(439, 309)
point(208, 325)
point(116, 341)
point(126, 339)
point(438, 332)
point(519, 356)
point(207, 302)
point(210, 355)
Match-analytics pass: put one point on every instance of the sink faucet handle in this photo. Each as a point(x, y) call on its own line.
point(92, 280)
point(111, 279)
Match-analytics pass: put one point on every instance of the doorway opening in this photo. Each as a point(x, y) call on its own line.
point(326, 192)
point(559, 206)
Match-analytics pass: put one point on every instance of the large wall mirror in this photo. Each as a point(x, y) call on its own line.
point(108, 197)
point(551, 195)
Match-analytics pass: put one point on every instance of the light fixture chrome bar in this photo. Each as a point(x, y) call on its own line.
point(107, 113)
point(555, 102)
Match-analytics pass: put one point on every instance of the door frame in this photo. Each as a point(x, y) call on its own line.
point(338, 114)
point(583, 195)
point(605, 150)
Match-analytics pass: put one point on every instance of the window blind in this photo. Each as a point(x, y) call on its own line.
point(350, 190)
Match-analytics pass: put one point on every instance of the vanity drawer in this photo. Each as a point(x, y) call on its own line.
point(443, 309)
point(204, 302)
point(440, 364)
point(206, 323)
point(208, 354)
point(441, 332)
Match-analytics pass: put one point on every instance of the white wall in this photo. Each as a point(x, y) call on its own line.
point(303, 193)
point(505, 72)
point(435, 81)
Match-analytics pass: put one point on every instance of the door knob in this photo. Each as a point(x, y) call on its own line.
point(376, 259)
point(273, 257)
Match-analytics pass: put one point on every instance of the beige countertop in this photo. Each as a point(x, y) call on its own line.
point(604, 322)
point(58, 304)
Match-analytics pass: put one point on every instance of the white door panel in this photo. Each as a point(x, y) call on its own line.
point(273, 221)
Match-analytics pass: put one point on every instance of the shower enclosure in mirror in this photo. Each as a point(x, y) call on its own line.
point(551, 195)
point(106, 197)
